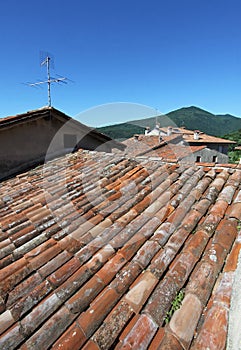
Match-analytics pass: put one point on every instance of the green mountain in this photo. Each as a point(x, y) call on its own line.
point(191, 117)
point(234, 136)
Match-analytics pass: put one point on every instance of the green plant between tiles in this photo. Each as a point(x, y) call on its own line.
point(176, 304)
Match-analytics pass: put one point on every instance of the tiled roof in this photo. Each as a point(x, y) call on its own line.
point(95, 248)
point(188, 135)
point(140, 143)
point(152, 146)
point(177, 130)
point(143, 144)
point(204, 138)
point(172, 152)
point(24, 116)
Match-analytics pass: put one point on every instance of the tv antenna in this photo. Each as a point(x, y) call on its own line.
point(50, 80)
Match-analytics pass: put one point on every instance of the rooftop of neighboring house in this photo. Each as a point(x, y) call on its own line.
point(173, 152)
point(191, 136)
point(97, 250)
point(139, 144)
point(51, 111)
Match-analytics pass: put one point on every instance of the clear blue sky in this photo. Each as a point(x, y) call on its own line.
point(162, 54)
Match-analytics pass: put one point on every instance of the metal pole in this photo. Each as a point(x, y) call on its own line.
point(49, 81)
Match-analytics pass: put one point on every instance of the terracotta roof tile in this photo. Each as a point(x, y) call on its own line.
point(141, 334)
point(54, 263)
point(112, 326)
point(73, 338)
point(12, 337)
point(169, 341)
point(90, 345)
point(82, 298)
point(24, 235)
point(125, 277)
point(73, 283)
point(8, 283)
point(189, 313)
point(156, 341)
point(146, 253)
point(235, 211)
point(97, 311)
point(232, 259)
point(29, 299)
point(65, 271)
point(214, 333)
point(6, 261)
point(97, 245)
point(50, 331)
point(210, 332)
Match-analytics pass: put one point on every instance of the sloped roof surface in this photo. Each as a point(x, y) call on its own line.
point(95, 248)
point(25, 116)
point(41, 112)
point(203, 138)
point(172, 152)
point(142, 144)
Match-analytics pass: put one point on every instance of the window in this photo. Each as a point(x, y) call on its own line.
point(220, 148)
point(70, 140)
point(215, 159)
point(198, 159)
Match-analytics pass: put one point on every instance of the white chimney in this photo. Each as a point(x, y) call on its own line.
point(147, 130)
point(169, 130)
point(196, 135)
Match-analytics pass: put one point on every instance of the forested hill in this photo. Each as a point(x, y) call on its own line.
point(190, 117)
point(234, 136)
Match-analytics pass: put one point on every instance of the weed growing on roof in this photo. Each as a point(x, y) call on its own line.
point(176, 304)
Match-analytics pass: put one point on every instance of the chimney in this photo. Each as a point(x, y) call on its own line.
point(147, 130)
point(196, 135)
point(169, 130)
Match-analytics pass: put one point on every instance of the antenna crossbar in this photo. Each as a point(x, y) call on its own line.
point(49, 80)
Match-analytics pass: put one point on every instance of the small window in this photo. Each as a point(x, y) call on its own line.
point(70, 140)
point(220, 148)
point(198, 159)
point(215, 159)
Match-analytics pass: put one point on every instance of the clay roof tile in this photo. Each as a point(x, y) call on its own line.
point(94, 246)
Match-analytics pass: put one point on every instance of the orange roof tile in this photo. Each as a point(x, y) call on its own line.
point(204, 138)
point(188, 135)
point(168, 152)
point(95, 247)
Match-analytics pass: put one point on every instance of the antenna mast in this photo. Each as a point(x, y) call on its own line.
point(47, 61)
point(49, 80)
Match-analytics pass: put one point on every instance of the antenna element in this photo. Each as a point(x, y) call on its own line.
point(49, 80)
